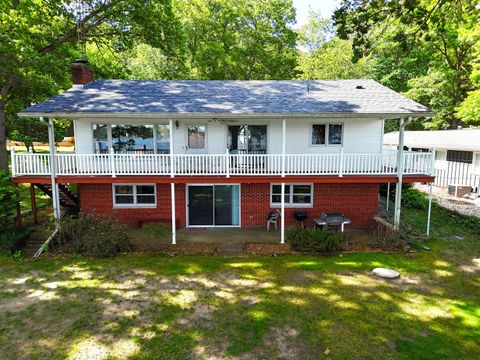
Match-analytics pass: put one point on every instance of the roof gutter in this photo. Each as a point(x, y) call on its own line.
point(209, 115)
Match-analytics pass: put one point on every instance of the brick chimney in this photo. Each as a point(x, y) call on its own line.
point(81, 72)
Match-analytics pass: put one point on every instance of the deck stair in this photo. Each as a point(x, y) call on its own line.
point(67, 198)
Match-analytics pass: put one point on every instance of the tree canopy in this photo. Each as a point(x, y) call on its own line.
point(424, 48)
point(429, 50)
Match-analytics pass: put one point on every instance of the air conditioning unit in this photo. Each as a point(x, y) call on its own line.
point(458, 190)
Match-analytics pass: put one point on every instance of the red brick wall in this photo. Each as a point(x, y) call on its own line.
point(359, 202)
point(97, 199)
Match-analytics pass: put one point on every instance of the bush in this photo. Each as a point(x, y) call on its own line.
point(414, 199)
point(12, 240)
point(93, 236)
point(9, 197)
point(314, 241)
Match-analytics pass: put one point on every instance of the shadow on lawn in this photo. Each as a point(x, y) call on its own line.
point(201, 307)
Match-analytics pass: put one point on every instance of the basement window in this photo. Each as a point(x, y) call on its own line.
point(134, 195)
point(296, 195)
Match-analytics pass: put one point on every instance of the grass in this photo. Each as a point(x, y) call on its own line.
point(298, 307)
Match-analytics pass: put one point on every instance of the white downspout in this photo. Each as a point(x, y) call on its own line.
point(53, 172)
point(400, 161)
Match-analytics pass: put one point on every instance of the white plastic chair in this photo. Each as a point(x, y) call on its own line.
point(272, 219)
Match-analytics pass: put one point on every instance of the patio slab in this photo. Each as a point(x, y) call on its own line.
point(227, 235)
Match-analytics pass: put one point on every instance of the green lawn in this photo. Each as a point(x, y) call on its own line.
point(296, 307)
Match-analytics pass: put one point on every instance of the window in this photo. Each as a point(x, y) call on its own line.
point(143, 139)
point(327, 133)
point(196, 136)
point(163, 139)
point(335, 134)
point(460, 156)
point(132, 138)
point(247, 139)
point(142, 195)
point(100, 138)
point(296, 195)
point(318, 134)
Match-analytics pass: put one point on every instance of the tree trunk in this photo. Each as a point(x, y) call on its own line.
point(3, 140)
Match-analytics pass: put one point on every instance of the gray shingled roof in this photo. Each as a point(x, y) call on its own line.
point(464, 139)
point(228, 97)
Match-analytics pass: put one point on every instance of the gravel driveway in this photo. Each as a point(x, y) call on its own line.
point(460, 205)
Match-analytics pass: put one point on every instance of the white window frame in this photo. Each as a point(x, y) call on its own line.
point(134, 194)
point(327, 130)
point(291, 204)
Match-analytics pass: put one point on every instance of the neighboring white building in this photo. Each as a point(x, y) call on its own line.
point(457, 153)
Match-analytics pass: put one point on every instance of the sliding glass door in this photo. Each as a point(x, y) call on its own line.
point(213, 205)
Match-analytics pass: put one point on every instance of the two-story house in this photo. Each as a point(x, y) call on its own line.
point(224, 153)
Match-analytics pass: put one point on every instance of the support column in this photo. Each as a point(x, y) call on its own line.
point(282, 210)
point(429, 209)
point(18, 216)
point(284, 144)
point(400, 161)
point(388, 196)
point(282, 216)
point(172, 160)
point(33, 202)
point(174, 221)
point(55, 192)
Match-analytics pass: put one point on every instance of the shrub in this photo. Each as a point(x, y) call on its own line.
point(314, 241)
point(93, 236)
point(414, 199)
point(12, 240)
point(9, 197)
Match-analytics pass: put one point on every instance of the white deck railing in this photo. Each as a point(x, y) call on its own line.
point(221, 164)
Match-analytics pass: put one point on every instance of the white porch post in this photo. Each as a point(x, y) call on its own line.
point(172, 161)
point(282, 218)
point(112, 161)
point(174, 222)
point(55, 195)
point(282, 210)
point(12, 161)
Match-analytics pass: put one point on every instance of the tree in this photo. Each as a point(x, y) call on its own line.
point(38, 37)
point(322, 55)
point(469, 109)
point(239, 39)
point(430, 43)
point(31, 129)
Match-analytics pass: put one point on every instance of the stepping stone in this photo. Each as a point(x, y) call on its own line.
point(386, 273)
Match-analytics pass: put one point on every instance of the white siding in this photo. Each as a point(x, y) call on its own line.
point(360, 135)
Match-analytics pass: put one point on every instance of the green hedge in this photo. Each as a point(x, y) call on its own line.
point(314, 241)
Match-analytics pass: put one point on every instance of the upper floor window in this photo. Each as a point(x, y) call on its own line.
point(144, 139)
point(331, 134)
point(247, 139)
point(140, 195)
point(100, 138)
